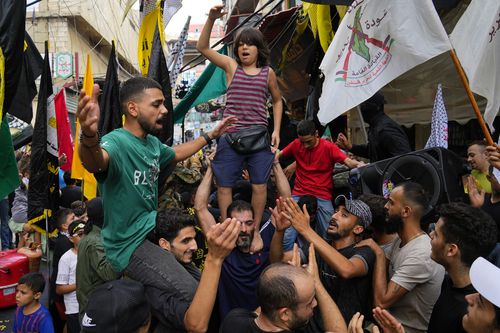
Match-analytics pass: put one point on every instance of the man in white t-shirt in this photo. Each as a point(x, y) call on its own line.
point(414, 278)
point(66, 277)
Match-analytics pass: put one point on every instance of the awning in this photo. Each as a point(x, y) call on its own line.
point(274, 24)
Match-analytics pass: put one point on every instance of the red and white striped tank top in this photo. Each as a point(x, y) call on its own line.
point(246, 98)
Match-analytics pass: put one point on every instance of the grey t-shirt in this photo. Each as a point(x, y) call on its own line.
point(412, 268)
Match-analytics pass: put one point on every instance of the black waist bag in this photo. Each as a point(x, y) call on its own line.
point(249, 140)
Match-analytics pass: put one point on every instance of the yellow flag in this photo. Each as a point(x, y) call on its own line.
point(146, 36)
point(321, 23)
point(342, 10)
point(77, 169)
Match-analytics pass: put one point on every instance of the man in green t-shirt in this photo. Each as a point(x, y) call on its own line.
point(126, 163)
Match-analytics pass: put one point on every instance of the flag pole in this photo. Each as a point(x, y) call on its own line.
point(47, 244)
point(362, 122)
point(472, 99)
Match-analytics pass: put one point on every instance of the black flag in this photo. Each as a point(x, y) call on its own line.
point(12, 21)
point(158, 71)
point(43, 189)
point(111, 112)
point(32, 65)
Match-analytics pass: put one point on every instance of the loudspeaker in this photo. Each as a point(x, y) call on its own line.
point(438, 170)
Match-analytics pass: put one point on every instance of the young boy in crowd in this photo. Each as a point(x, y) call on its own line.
point(31, 316)
point(66, 277)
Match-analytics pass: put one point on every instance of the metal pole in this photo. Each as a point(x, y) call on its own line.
point(183, 129)
point(362, 121)
point(47, 244)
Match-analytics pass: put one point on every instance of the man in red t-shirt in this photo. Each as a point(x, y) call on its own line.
point(315, 159)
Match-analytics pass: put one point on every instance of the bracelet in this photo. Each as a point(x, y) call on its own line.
point(82, 141)
point(206, 137)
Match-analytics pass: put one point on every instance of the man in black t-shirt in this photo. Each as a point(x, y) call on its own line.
point(462, 234)
point(345, 270)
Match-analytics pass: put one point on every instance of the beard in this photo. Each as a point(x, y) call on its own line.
point(148, 128)
point(336, 235)
point(244, 240)
point(394, 223)
point(339, 234)
point(298, 323)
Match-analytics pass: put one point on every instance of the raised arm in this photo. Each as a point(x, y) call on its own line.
point(203, 45)
point(281, 223)
point(282, 184)
point(187, 149)
point(205, 218)
point(93, 157)
point(332, 317)
point(221, 239)
point(344, 267)
point(385, 293)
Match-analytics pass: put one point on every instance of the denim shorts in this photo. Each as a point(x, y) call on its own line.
point(228, 164)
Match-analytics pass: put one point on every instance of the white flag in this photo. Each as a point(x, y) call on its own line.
point(174, 61)
point(439, 125)
point(476, 39)
point(170, 7)
point(377, 41)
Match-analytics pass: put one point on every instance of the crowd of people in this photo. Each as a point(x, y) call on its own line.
point(268, 257)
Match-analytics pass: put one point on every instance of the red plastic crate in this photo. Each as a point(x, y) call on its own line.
point(12, 266)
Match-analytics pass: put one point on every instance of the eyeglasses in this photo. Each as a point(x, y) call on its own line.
point(79, 234)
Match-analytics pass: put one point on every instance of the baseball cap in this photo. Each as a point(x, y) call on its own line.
point(75, 227)
point(118, 306)
point(357, 208)
point(484, 277)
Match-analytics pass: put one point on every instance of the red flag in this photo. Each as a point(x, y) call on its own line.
point(63, 130)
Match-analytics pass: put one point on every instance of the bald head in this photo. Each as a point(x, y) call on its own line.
point(277, 289)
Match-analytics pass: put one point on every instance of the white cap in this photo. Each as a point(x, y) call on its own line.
point(485, 278)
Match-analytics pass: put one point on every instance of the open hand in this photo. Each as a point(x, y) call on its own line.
point(278, 219)
point(312, 266)
point(387, 321)
point(222, 127)
point(299, 217)
point(221, 238)
point(476, 196)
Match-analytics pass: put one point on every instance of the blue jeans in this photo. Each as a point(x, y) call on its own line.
point(323, 216)
point(153, 266)
point(6, 235)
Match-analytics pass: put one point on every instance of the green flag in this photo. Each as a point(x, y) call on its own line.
point(8, 167)
point(211, 84)
point(12, 20)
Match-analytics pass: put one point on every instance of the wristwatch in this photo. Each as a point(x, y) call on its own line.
point(207, 138)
